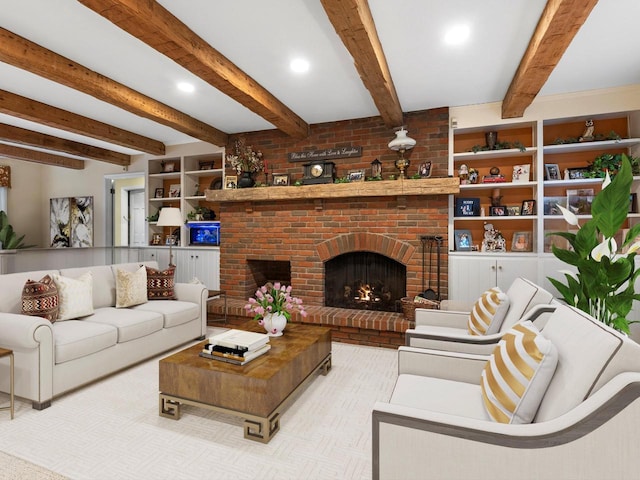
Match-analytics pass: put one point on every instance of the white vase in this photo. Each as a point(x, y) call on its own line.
point(274, 324)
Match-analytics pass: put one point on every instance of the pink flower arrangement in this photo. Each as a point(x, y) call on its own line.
point(274, 298)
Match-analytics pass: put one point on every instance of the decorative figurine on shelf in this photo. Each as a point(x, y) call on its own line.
point(473, 175)
point(492, 139)
point(463, 173)
point(495, 197)
point(493, 240)
point(376, 169)
point(587, 136)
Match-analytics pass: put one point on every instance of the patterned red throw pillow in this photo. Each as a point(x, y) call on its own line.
point(40, 298)
point(161, 284)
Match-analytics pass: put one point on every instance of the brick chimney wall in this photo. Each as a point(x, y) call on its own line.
point(308, 232)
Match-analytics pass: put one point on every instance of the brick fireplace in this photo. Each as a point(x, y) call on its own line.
point(291, 239)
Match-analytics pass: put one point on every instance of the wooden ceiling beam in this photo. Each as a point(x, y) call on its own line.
point(558, 25)
point(30, 138)
point(37, 112)
point(22, 53)
point(354, 24)
point(151, 23)
point(36, 156)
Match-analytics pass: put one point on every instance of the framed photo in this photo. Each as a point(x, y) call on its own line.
point(463, 240)
point(467, 207)
point(156, 239)
point(174, 190)
point(425, 170)
point(521, 173)
point(356, 175)
point(521, 242)
point(498, 211)
point(231, 181)
point(513, 210)
point(159, 193)
point(528, 207)
point(550, 205)
point(576, 173)
point(281, 179)
point(551, 171)
point(168, 167)
point(579, 201)
point(169, 240)
point(206, 165)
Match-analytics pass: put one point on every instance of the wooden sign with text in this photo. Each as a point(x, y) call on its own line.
point(325, 154)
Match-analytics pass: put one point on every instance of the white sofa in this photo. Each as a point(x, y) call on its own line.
point(435, 425)
point(54, 358)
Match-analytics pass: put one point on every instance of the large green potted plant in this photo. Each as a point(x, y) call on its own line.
point(604, 285)
point(8, 238)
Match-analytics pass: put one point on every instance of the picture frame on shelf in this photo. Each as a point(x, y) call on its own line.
point(156, 239)
point(521, 173)
point(467, 207)
point(281, 180)
point(169, 167)
point(521, 242)
point(513, 210)
point(159, 193)
point(579, 201)
point(576, 173)
point(528, 207)
point(551, 171)
point(169, 239)
point(230, 182)
point(174, 190)
point(463, 240)
point(356, 175)
point(425, 170)
point(206, 165)
point(498, 211)
point(550, 205)
point(553, 240)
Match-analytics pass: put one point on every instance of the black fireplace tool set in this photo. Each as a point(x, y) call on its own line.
point(428, 292)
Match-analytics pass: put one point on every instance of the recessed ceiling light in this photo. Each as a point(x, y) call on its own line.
point(457, 35)
point(299, 65)
point(186, 87)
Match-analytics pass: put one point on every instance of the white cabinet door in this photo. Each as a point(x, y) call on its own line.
point(203, 264)
point(470, 276)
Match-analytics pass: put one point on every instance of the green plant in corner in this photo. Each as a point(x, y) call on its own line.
point(8, 238)
point(604, 285)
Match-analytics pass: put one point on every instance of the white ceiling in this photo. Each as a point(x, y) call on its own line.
point(261, 37)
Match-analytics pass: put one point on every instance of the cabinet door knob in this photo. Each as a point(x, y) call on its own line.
point(493, 267)
point(499, 267)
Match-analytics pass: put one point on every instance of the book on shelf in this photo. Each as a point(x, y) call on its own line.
point(233, 358)
point(493, 179)
point(240, 339)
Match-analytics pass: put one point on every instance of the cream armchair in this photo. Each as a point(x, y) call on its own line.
point(435, 426)
point(447, 329)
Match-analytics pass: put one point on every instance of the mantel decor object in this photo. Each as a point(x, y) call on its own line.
point(401, 144)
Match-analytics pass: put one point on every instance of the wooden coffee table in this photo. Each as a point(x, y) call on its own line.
point(259, 391)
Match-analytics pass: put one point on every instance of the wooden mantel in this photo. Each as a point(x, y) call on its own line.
point(383, 188)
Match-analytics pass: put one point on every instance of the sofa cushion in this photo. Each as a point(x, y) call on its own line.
point(161, 284)
point(75, 296)
point(40, 298)
point(104, 283)
point(131, 288)
point(75, 339)
point(174, 313)
point(488, 312)
point(517, 374)
point(11, 285)
point(439, 395)
point(130, 323)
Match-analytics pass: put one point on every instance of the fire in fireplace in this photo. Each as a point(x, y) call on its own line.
point(364, 281)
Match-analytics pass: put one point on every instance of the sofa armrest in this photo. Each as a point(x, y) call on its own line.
point(441, 318)
point(19, 331)
point(452, 342)
point(196, 293)
point(460, 367)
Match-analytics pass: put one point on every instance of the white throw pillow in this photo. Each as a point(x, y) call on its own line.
point(517, 374)
point(75, 296)
point(488, 312)
point(131, 287)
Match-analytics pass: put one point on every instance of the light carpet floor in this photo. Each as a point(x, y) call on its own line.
point(112, 430)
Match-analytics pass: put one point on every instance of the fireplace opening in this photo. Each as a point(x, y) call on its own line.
point(364, 281)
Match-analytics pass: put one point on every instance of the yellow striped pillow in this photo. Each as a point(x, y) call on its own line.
point(488, 312)
point(517, 374)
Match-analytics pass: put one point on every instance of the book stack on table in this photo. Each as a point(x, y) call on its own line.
point(236, 346)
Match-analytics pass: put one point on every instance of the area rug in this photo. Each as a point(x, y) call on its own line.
point(112, 430)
